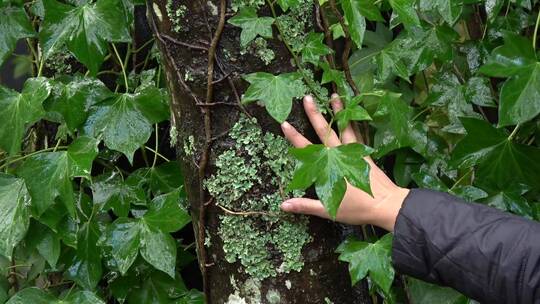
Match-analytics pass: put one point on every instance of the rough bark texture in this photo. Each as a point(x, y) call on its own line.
point(184, 53)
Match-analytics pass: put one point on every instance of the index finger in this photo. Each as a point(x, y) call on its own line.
point(298, 140)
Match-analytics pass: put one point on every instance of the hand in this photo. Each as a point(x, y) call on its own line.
point(357, 207)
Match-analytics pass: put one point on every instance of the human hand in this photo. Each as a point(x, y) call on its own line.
point(357, 206)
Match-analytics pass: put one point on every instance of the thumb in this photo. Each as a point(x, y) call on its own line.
point(305, 206)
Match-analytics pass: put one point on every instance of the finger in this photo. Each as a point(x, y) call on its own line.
point(347, 136)
point(305, 206)
point(325, 133)
point(296, 139)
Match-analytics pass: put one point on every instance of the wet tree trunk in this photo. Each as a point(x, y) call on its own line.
point(205, 48)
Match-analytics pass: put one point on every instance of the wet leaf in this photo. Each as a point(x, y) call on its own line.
point(14, 213)
point(252, 25)
point(14, 25)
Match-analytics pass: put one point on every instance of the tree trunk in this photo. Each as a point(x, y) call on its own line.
point(249, 252)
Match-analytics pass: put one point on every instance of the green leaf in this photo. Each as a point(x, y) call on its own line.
point(158, 248)
point(355, 19)
point(85, 268)
point(314, 48)
point(286, 4)
point(19, 110)
point(493, 7)
point(166, 213)
point(389, 64)
point(252, 25)
point(45, 241)
point(514, 56)
point(124, 238)
point(395, 129)
point(329, 169)
point(113, 193)
point(14, 214)
point(520, 97)
point(83, 297)
point(511, 201)
point(424, 293)
point(47, 178)
point(369, 10)
point(372, 258)
point(124, 126)
point(336, 76)
point(153, 103)
point(80, 155)
point(14, 25)
point(276, 92)
point(406, 12)
point(32, 295)
point(496, 155)
point(73, 97)
point(157, 287)
point(450, 10)
point(85, 29)
point(352, 112)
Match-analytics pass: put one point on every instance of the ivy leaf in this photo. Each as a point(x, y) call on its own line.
point(372, 258)
point(520, 97)
point(124, 239)
point(85, 268)
point(496, 155)
point(14, 214)
point(352, 112)
point(166, 213)
point(80, 155)
point(329, 169)
point(511, 200)
point(48, 175)
point(286, 4)
point(32, 295)
point(156, 287)
point(450, 10)
point(276, 92)
point(83, 297)
point(14, 25)
point(85, 29)
point(355, 19)
point(123, 124)
point(19, 110)
point(73, 97)
point(148, 235)
point(405, 9)
point(113, 193)
point(425, 293)
point(252, 25)
point(336, 76)
point(514, 56)
point(369, 10)
point(314, 48)
point(158, 248)
point(395, 129)
point(388, 64)
point(45, 241)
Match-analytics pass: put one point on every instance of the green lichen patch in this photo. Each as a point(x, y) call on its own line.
point(259, 48)
point(251, 179)
point(176, 15)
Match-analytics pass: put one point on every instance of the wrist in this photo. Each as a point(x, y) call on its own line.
point(385, 212)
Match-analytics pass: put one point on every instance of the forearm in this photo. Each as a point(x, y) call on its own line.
point(486, 254)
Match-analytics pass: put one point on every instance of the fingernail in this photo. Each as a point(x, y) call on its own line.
point(286, 125)
point(334, 96)
point(308, 98)
point(286, 206)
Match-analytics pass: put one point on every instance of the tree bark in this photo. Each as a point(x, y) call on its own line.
point(207, 48)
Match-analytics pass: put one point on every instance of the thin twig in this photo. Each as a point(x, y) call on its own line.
point(188, 45)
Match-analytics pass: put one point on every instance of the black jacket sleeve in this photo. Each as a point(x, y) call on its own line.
point(486, 254)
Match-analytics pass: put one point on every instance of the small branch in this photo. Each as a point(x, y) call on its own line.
point(188, 45)
point(121, 66)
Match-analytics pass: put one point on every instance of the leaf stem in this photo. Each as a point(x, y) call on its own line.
point(31, 154)
point(460, 179)
point(514, 132)
point(156, 134)
point(121, 66)
point(536, 30)
point(157, 153)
